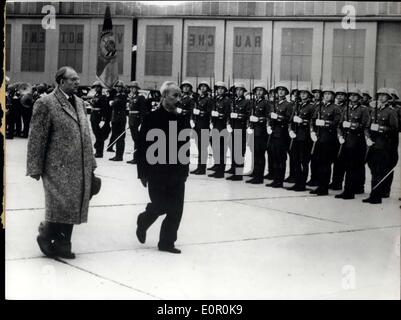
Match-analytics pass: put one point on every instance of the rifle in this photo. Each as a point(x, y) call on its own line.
point(252, 96)
point(346, 118)
point(274, 107)
point(375, 119)
point(294, 111)
point(318, 116)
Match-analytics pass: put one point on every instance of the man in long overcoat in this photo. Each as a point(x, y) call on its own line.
point(60, 152)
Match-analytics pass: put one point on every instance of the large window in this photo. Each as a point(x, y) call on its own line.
point(70, 46)
point(296, 54)
point(33, 48)
point(159, 51)
point(8, 46)
point(247, 59)
point(348, 55)
point(200, 51)
point(388, 58)
point(118, 31)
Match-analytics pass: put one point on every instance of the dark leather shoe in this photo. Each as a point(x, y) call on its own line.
point(292, 188)
point(290, 180)
point(311, 183)
point(322, 192)
point(249, 174)
point(131, 161)
point(110, 150)
point(386, 195)
point(255, 181)
point(268, 176)
point(348, 196)
point(194, 171)
point(116, 159)
point(277, 185)
point(98, 155)
point(140, 231)
point(214, 168)
point(299, 188)
point(46, 246)
point(216, 175)
point(235, 177)
point(313, 191)
point(372, 200)
point(63, 250)
point(230, 171)
point(170, 249)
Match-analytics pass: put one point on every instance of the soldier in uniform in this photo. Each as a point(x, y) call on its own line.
point(99, 106)
point(382, 126)
point(9, 112)
point(219, 117)
point(137, 111)
point(277, 126)
point(294, 96)
point(257, 120)
point(118, 120)
point(201, 117)
point(187, 102)
point(270, 165)
point(324, 133)
point(366, 98)
point(238, 122)
point(300, 134)
point(317, 101)
point(351, 136)
point(339, 164)
point(16, 107)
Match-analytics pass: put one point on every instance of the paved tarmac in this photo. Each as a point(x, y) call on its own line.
point(238, 241)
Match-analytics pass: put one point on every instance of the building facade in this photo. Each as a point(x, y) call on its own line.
point(232, 41)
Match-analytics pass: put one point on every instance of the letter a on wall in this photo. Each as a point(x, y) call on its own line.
point(107, 67)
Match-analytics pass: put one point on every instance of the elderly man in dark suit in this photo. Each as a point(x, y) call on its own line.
point(60, 152)
point(166, 177)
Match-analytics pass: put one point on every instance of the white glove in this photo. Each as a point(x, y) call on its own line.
point(211, 126)
point(369, 142)
point(374, 127)
point(297, 119)
point(292, 134)
point(196, 111)
point(313, 136)
point(179, 110)
point(269, 130)
point(110, 103)
point(249, 131)
point(346, 124)
point(101, 124)
point(274, 115)
point(215, 114)
point(234, 115)
point(192, 123)
point(253, 119)
point(341, 139)
point(229, 128)
point(320, 122)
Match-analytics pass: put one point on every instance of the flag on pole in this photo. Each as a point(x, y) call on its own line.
point(107, 67)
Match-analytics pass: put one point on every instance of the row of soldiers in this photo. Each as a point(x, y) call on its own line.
point(334, 132)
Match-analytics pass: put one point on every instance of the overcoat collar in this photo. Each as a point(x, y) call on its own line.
point(66, 105)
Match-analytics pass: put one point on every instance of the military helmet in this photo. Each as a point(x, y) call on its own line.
point(221, 84)
point(186, 82)
point(394, 93)
point(97, 83)
point(384, 91)
point(317, 89)
point(304, 88)
point(261, 85)
point(134, 84)
point(281, 85)
point(328, 89)
point(366, 91)
point(355, 90)
point(341, 90)
point(240, 85)
point(204, 83)
point(119, 83)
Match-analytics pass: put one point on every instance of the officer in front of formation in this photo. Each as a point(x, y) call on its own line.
point(219, 118)
point(277, 127)
point(118, 120)
point(354, 120)
point(339, 162)
point(257, 120)
point(201, 117)
point(382, 126)
point(300, 135)
point(98, 112)
point(138, 109)
point(324, 135)
point(187, 102)
point(241, 110)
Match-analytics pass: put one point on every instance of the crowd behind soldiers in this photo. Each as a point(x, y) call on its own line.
point(327, 133)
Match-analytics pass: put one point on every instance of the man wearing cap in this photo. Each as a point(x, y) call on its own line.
point(351, 135)
point(219, 117)
point(382, 126)
point(238, 121)
point(187, 102)
point(300, 133)
point(137, 111)
point(201, 117)
point(99, 106)
point(257, 121)
point(339, 164)
point(118, 120)
point(277, 126)
point(324, 133)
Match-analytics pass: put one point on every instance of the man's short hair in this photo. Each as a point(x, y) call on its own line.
point(165, 87)
point(60, 74)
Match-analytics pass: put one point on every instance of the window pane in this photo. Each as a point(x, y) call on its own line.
point(33, 46)
point(200, 51)
point(70, 46)
point(159, 50)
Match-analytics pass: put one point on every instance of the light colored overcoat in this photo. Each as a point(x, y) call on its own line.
point(60, 150)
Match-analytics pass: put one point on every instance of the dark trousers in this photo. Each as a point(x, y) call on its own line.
point(393, 162)
point(202, 144)
point(354, 160)
point(270, 163)
point(10, 124)
point(26, 117)
point(258, 155)
point(60, 232)
point(279, 147)
point(314, 167)
point(167, 197)
point(292, 163)
point(325, 155)
point(338, 168)
point(117, 128)
point(17, 119)
point(380, 163)
point(300, 152)
point(97, 131)
point(219, 148)
point(238, 144)
point(134, 128)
